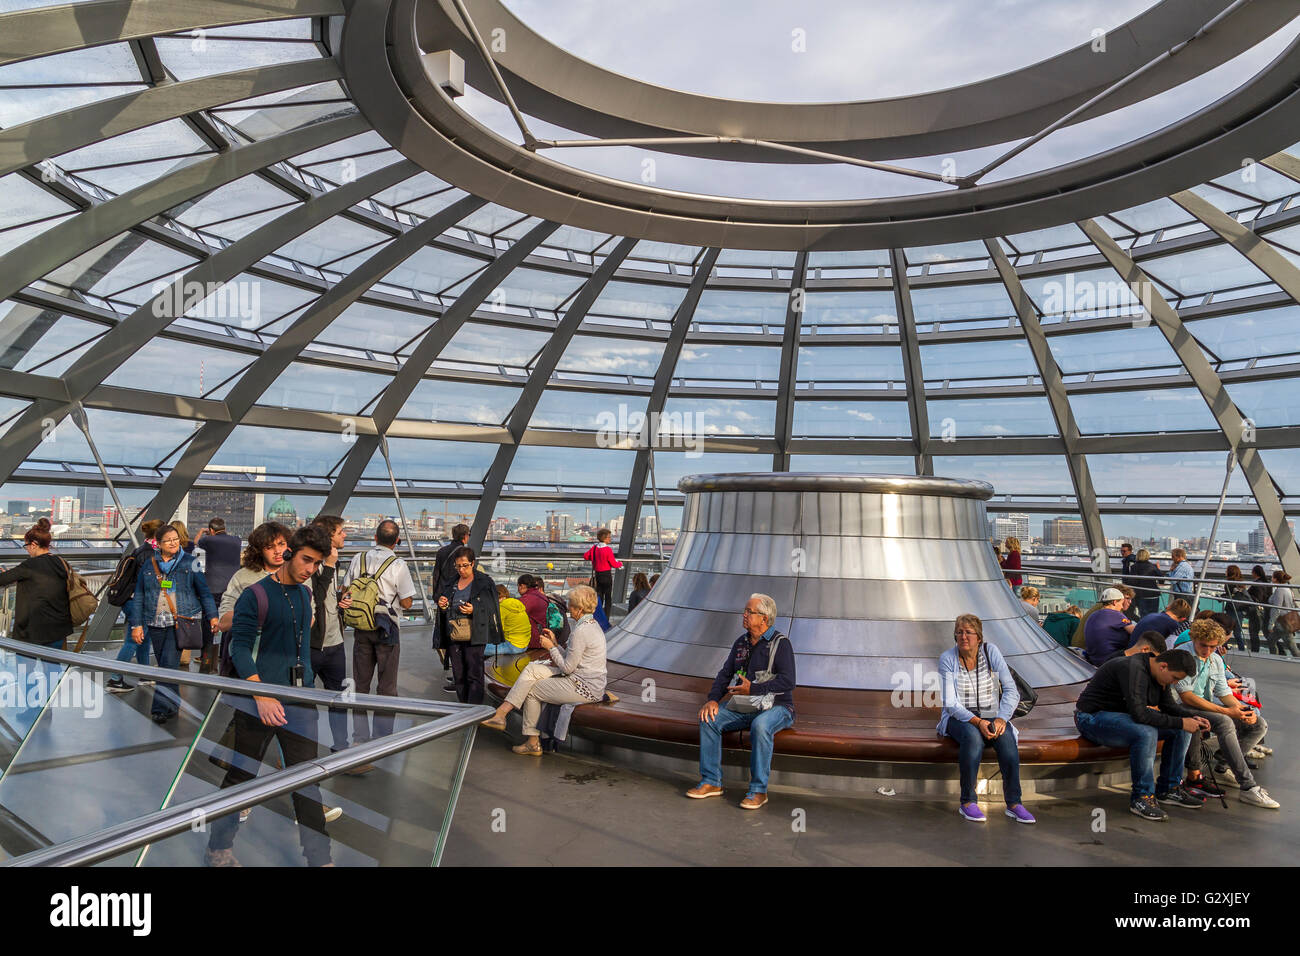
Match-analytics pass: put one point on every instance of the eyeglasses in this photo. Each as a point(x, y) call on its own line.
point(748, 611)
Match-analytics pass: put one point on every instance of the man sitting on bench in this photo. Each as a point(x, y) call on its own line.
point(1128, 704)
point(758, 679)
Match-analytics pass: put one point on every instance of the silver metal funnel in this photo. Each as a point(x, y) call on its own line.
point(868, 573)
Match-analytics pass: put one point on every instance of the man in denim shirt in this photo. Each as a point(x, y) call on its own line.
point(751, 653)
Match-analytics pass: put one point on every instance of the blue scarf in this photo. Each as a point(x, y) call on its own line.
point(167, 566)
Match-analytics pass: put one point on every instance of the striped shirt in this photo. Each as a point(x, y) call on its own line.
point(976, 689)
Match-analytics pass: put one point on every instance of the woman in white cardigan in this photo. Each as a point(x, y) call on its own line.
point(575, 676)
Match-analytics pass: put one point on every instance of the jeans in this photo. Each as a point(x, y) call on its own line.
point(1255, 620)
point(1237, 637)
point(505, 649)
point(25, 717)
point(1235, 738)
point(762, 726)
point(971, 744)
point(131, 649)
point(297, 739)
point(1112, 728)
point(330, 664)
point(166, 697)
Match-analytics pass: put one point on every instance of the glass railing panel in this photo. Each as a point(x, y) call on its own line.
point(394, 815)
point(89, 759)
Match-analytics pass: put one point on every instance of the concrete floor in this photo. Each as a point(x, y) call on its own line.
point(569, 811)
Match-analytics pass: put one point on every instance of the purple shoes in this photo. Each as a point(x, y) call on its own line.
point(1020, 814)
point(972, 812)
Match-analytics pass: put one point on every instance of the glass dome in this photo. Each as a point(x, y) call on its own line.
point(209, 246)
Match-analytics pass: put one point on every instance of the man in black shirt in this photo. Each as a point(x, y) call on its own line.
point(221, 554)
point(1129, 704)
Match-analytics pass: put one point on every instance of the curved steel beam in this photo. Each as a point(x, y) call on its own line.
point(27, 34)
point(131, 334)
point(81, 233)
point(1057, 396)
point(553, 85)
point(435, 340)
point(785, 389)
point(531, 394)
point(408, 109)
point(60, 133)
point(681, 325)
point(1231, 422)
point(272, 363)
point(913, 376)
point(1258, 250)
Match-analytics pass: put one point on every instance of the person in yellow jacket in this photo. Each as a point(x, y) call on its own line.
point(514, 625)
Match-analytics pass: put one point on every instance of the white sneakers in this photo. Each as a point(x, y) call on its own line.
point(1257, 796)
point(1256, 753)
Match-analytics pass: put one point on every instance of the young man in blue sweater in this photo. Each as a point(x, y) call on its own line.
point(276, 652)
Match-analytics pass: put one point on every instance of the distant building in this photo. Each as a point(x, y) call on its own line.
point(1064, 533)
point(559, 527)
point(241, 510)
point(1260, 541)
point(65, 510)
point(18, 507)
point(649, 526)
point(92, 500)
point(284, 512)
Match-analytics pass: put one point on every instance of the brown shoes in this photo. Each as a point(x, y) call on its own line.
point(534, 750)
point(493, 723)
point(220, 858)
point(700, 791)
point(753, 801)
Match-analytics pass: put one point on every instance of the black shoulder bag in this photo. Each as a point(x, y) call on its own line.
point(1028, 696)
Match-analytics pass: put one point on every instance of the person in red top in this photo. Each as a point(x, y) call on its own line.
point(603, 563)
point(530, 592)
point(1011, 562)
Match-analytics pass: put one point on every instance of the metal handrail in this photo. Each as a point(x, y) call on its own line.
point(131, 834)
point(234, 685)
point(1149, 591)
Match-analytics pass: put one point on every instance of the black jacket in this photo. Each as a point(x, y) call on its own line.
point(221, 555)
point(41, 613)
point(485, 622)
point(320, 589)
point(1125, 684)
point(752, 658)
point(1137, 577)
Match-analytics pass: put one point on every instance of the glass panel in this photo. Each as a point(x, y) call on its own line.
point(738, 363)
point(985, 417)
point(971, 305)
point(1150, 410)
point(124, 162)
point(1089, 293)
point(373, 327)
point(853, 464)
point(849, 419)
point(323, 389)
point(181, 368)
point(1011, 474)
point(1204, 270)
point(833, 366)
point(978, 360)
point(281, 451)
point(607, 355)
point(1268, 404)
point(571, 467)
point(1109, 351)
point(1164, 473)
point(721, 416)
point(638, 300)
point(619, 415)
point(525, 289)
point(672, 466)
point(442, 401)
point(481, 344)
point(874, 310)
point(42, 87)
point(421, 458)
point(203, 55)
point(1246, 335)
point(720, 307)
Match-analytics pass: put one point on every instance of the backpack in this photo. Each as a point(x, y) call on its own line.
point(227, 667)
point(557, 620)
point(81, 603)
point(365, 596)
point(121, 586)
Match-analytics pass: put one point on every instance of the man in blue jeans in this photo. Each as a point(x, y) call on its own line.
point(1129, 704)
point(763, 706)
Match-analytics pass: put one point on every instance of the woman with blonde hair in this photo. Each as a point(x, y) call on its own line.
point(573, 677)
point(979, 698)
point(1011, 563)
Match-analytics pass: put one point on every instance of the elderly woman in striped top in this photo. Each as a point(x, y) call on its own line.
point(575, 676)
point(977, 715)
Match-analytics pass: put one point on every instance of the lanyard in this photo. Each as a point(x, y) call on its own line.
point(293, 612)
